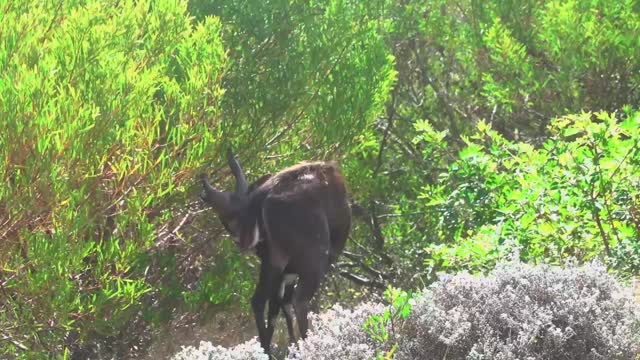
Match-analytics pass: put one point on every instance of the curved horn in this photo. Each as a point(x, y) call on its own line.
point(241, 182)
point(221, 201)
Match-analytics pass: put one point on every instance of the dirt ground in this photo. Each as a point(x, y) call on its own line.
point(227, 328)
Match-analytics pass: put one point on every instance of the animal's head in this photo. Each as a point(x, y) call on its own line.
point(232, 207)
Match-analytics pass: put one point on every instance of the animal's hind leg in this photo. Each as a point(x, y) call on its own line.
point(281, 298)
point(313, 273)
point(338, 238)
point(307, 287)
point(287, 308)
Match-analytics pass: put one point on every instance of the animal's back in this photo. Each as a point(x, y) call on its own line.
point(318, 188)
point(306, 177)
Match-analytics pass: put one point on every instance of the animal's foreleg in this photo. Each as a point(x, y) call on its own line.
point(274, 309)
point(267, 281)
point(258, 303)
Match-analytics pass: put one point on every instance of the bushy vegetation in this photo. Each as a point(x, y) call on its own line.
point(443, 189)
point(107, 110)
point(466, 130)
point(339, 334)
point(517, 312)
point(575, 195)
point(525, 312)
point(251, 350)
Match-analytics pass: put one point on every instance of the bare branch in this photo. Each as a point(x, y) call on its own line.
point(362, 281)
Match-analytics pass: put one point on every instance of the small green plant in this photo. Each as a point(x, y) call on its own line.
point(384, 328)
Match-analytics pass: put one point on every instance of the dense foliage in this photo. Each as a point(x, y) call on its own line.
point(466, 130)
point(438, 183)
point(517, 312)
point(576, 195)
point(107, 110)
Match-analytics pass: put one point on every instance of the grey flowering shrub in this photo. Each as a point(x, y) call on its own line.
point(249, 350)
point(339, 334)
point(335, 334)
point(517, 312)
point(524, 312)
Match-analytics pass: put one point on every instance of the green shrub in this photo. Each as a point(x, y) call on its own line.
point(305, 79)
point(574, 196)
point(514, 66)
point(108, 109)
point(440, 113)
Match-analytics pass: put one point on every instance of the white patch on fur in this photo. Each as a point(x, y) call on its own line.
point(256, 236)
point(288, 279)
point(307, 177)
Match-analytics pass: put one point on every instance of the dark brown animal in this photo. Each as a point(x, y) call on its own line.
point(297, 221)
